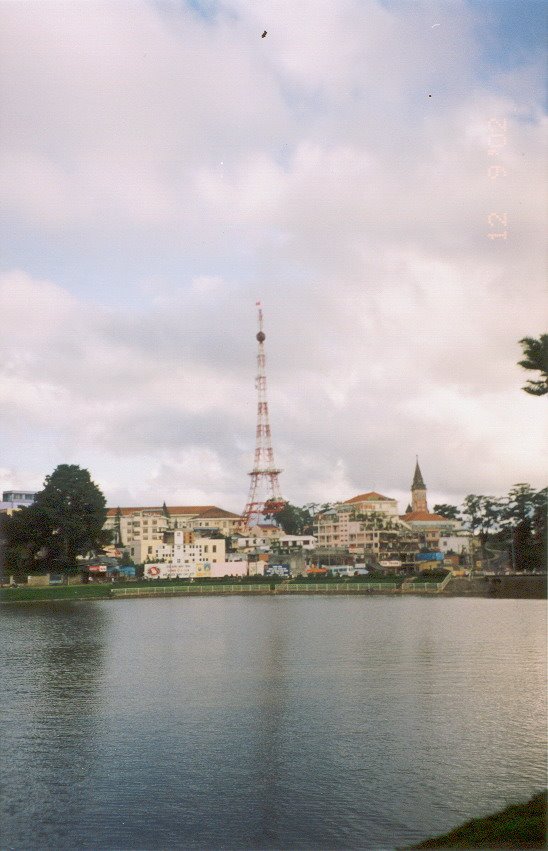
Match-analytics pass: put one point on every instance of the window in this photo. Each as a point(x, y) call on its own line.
point(214, 548)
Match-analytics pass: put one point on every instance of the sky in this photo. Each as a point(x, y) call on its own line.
point(372, 171)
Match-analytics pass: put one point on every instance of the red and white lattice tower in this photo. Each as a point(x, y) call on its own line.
point(264, 492)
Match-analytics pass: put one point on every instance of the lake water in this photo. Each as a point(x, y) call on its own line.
point(266, 723)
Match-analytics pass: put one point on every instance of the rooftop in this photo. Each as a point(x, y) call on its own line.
point(199, 510)
point(372, 496)
point(425, 516)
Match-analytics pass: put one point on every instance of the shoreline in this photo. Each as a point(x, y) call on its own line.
point(531, 587)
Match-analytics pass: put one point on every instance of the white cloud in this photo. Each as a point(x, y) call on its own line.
point(310, 169)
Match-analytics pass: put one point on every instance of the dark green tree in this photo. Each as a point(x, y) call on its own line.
point(65, 520)
point(23, 533)
point(520, 504)
point(483, 516)
point(524, 517)
point(536, 358)
point(515, 524)
point(126, 560)
point(292, 519)
point(446, 510)
point(118, 527)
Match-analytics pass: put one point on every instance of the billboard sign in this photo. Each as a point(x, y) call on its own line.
point(277, 570)
point(429, 557)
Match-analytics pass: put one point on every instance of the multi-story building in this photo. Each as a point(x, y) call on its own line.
point(12, 500)
point(254, 543)
point(182, 548)
point(373, 501)
point(343, 526)
point(20, 497)
point(368, 527)
point(141, 529)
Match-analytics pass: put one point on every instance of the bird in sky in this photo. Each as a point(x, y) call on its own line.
point(264, 34)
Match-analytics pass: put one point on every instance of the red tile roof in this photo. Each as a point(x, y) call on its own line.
point(372, 496)
point(219, 513)
point(201, 510)
point(424, 515)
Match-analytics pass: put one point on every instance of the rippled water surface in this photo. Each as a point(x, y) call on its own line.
point(266, 723)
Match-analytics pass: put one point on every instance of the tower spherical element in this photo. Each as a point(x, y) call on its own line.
point(264, 498)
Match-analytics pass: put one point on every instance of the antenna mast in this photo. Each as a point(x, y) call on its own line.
point(264, 470)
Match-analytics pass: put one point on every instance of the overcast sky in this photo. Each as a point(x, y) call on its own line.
point(163, 167)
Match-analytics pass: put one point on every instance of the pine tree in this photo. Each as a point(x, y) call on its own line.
point(536, 358)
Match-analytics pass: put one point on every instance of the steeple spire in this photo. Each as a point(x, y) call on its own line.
point(418, 483)
point(418, 490)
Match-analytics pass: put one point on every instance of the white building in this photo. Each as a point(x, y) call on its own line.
point(12, 500)
point(254, 543)
point(298, 542)
point(459, 543)
point(356, 523)
point(191, 549)
point(141, 529)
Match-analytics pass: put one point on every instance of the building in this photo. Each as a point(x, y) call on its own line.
point(418, 491)
point(343, 526)
point(430, 528)
point(459, 543)
point(185, 550)
point(141, 529)
point(16, 499)
point(373, 501)
point(368, 527)
point(255, 543)
point(266, 530)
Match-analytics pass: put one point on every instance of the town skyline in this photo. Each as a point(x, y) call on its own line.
point(350, 170)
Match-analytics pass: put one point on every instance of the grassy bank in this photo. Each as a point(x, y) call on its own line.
point(518, 826)
point(26, 594)
point(144, 588)
point(526, 587)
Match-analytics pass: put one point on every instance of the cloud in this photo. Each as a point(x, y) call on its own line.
point(164, 168)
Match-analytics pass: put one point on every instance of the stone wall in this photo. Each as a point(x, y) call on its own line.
point(510, 587)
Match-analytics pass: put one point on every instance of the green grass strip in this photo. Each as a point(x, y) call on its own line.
point(517, 826)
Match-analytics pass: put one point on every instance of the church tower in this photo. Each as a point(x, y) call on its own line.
point(418, 491)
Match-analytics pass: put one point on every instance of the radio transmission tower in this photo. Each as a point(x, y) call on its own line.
point(264, 475)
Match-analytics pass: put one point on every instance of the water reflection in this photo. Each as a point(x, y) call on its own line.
point(50, 724)
point(267, 723)
point(272, 725)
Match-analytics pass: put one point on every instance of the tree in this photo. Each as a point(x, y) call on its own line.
point(515, 524)
point(536, 358)
point(483, 515)
point(118, 527)
point(524, 515)
point(65, 520)
point(126, 560)
point(22, 539)
point(446, 510)
point(292, 519)
point(521, 504)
